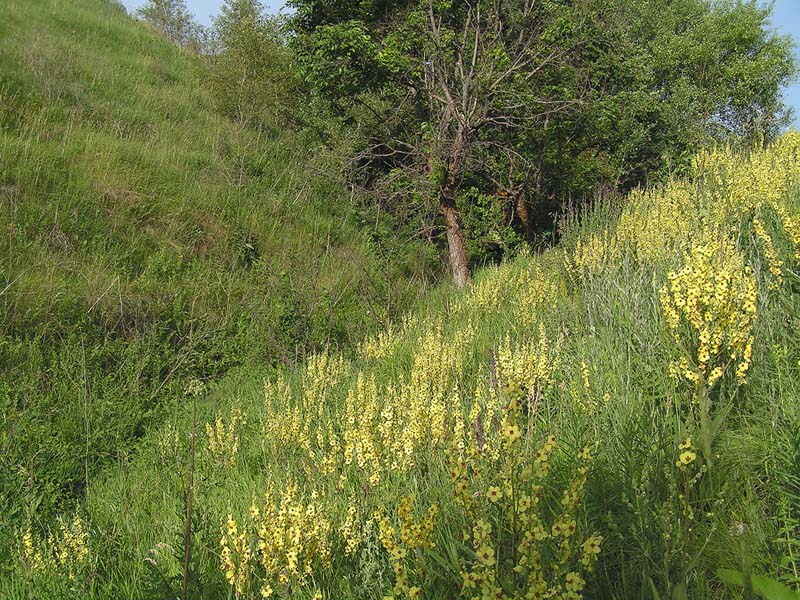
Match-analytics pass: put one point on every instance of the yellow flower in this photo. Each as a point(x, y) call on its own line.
point(467, 580)
point(570, 527)
point(685, 444)
point(687, 457)
point(486, 555)
point(494, 494)
point(511, 433)
point(592, 545)
point(573, 582)
point(398, 553)
point(482, 529)
point(232, 528)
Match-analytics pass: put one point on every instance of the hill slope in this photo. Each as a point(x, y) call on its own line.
point(615, 418)
point(147, 241)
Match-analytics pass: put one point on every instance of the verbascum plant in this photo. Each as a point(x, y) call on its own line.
point(727, 189)
point(405, 547)
point(280, 547)
point(323, 372)
point(533, 289)
point(529, 367)
point(774, 263)
point(709, 305)
point(592, 256)
point(65, 554)
point(524, 291)
point(223, 439)
point(519, 546)
point(791, 225)
point(382, 345)
point(235, 556)
point(655, 223)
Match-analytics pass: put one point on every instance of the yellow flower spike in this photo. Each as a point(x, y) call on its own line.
point(713, 297)
point(774, 263)
point(27, 545)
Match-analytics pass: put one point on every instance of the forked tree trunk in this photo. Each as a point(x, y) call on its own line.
point(455, 239)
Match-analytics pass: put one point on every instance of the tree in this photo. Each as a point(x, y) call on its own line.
point(251, 73)
point(173, 18)
point(468, 77)
point(490, 75)
point(522, 104)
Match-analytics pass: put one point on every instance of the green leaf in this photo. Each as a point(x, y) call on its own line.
point(656, 595)
point(767, 588)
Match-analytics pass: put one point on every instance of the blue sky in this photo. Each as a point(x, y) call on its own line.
point(203, 10)
point(785, 18)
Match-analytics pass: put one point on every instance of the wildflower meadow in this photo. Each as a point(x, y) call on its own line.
point(615, 417)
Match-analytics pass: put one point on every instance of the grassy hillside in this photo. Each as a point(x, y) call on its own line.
point(615, 418)
point(146, 241)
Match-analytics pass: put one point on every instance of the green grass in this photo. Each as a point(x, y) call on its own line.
point(147, 241)
point(572, 342)
point(602, 382)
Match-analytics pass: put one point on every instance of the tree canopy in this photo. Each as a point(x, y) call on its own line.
point(251, 71)
point(173, 18)
point(499, 112)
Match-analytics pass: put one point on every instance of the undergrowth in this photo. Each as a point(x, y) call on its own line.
point(147, 241)
point(613, 418)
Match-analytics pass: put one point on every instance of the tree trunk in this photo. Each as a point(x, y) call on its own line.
point(521, 201)
point(455, 239)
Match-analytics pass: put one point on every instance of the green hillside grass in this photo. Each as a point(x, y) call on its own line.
point(146, 241)
point(616, 417)
point(423, 466)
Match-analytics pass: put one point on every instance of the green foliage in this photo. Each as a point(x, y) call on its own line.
point(765, 587)
point(173, 19)
point(147, 240)
point(341, 60)
point(637, 87)
point(251, 75)
point(423, 463)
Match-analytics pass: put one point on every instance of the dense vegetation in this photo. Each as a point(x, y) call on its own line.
point(217, 382)
point(148, 240)
point(616, 417)
point(496, 114)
